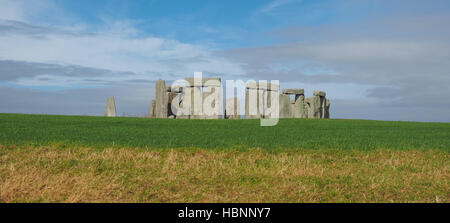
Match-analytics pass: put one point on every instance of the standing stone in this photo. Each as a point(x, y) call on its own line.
point(212, 106)
point(252, 104)
point(171, 96)
point(327, 108)
point(184, 104)
point(271, 104)
point(299, 106)
point(232, 108)
point(255, 98)
point(319, 93)
point(292, 109)
point(196, 103)
point(285, 106)
point(151, 110)
point(314, 110)
point(307, 106)
point(316, 105)
point(110, 110)
point(162, 100)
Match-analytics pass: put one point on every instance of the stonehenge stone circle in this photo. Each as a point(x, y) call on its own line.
point(110, 110)
point(201, 98)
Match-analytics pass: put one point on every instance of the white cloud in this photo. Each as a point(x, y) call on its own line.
point(276, 4)
point(11, 10)
point(27, 10)
point(116, 48)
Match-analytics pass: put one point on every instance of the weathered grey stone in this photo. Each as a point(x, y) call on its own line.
point(196, 102)
point(175, 89)
point(204, 82)
point(271, 104)
point(291, 110)
point(299, 107)
point(161, 99)
point(184, 110)
point(110, 110)
point(232, 108)
point(314, 105)
point(285, 106)
point(170, 99)
point(327, 109)
point(296, 91)
point(151, 110)
point(319, 93)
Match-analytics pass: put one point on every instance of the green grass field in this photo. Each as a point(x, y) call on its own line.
point(45, 158)
point(102, 132)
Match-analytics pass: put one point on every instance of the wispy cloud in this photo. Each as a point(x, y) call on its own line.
point(276, 4)
point(115, 48)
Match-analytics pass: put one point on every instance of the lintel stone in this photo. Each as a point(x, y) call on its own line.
point(295, 91)
point(319, 93)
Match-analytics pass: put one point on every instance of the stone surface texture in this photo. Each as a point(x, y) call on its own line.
point(202, 99)
point(110, 110)
point(232, 108)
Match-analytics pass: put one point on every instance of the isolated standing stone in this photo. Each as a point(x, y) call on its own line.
point(162, 100)
point(110, 110)
point(327, 108)
point(151, 110)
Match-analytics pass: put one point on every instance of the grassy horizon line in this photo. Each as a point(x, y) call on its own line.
point(105, 132)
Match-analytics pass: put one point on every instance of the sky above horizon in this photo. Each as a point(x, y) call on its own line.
point(379, 59)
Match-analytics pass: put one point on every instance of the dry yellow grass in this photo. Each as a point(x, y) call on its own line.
point(53, 174)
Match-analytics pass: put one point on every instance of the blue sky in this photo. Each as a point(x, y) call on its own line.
point(379, 59)
point(226, 24)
